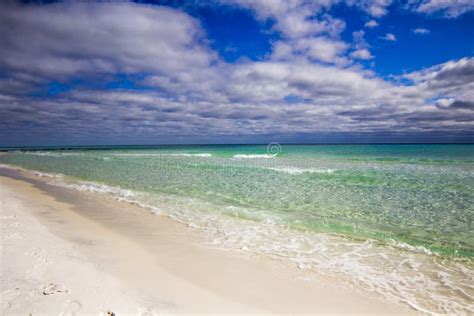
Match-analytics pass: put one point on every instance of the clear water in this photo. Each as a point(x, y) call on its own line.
point(396, 218)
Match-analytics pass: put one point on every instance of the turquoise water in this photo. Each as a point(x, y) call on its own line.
point(419, 194)
point(396, 219)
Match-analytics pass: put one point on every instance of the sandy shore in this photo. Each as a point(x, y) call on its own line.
point(67, 252)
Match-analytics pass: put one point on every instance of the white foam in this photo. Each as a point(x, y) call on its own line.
point(47, 175)
point(36, 173)
point(51, 153)
point(295, 170)
point(98, 188)
point(191, 155)
point(409, 247)
point(164, 154)
point(242, 156)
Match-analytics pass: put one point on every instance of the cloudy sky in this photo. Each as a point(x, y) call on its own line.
point(236, 71)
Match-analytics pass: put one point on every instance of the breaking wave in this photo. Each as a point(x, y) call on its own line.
point(253, 156)
point(294, 170)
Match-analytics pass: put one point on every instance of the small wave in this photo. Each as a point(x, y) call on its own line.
point(47, 175)
point(254, 156)
point(98, 188)
point(405, 246)
point(164, 154)
point(34, 172)
point(294, 170)
point(13, 167)
point(191, 155)
point(50, 153)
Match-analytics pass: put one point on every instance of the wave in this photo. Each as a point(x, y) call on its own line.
point(204, 155)
point(253, 156)
point(117, 192)
point(47, 175)
point(34, 172)
point(50, 154)
point(191, 155)
point(63, 154)
point(295, 170)
point(405, 246)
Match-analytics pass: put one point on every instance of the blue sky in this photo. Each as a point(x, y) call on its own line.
point(236, 71)
point(235, 34)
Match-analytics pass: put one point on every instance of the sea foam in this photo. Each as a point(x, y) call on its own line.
point(295, 170)
point(204, 155)
point(253, 156)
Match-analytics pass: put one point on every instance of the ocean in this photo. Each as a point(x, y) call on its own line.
point(394, 219)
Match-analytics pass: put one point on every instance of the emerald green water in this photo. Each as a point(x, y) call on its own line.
point(394, 219)
point(419, 194)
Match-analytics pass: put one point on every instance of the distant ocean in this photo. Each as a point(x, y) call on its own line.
point(395, 219)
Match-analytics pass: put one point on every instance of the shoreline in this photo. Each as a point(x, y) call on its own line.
point(164, 265)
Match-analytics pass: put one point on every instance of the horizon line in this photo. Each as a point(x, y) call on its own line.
point(108, 146)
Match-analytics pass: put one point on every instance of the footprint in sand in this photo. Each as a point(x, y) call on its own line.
point(52, 288)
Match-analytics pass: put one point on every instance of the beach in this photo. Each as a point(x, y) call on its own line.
point(66, 252)
point(236, 157)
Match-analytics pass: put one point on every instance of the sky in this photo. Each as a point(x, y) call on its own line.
point(236, 71)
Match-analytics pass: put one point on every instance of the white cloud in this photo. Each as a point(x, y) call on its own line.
point(445, 103)
point(362, 54)
point(193, 92)
point(449, 8)
point(361, 47)
point(359, 40)
point(371, 24)
point(421, 31)
point(320, 49)
point(375, 8)
point(307, 31)
point(72, 38)
point(298, 18)
point(454, 79)
point(389, 37)
point(282, 50)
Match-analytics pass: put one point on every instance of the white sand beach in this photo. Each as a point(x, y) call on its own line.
point(65, 252)
point(243, 157)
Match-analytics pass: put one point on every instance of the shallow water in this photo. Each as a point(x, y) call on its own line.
point(396, 219)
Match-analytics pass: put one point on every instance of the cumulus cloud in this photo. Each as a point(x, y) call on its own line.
point(453, 73)
point(375, 8)
point(449, 8)
point(362, 53)
point(421, 30)
point(320, 49)
point(307, 30)
point(64, 39)
point(186, 90)
point(296, 18)
point(389, 37)
point(361, 47)
point(454, 80)
point(371, 24)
